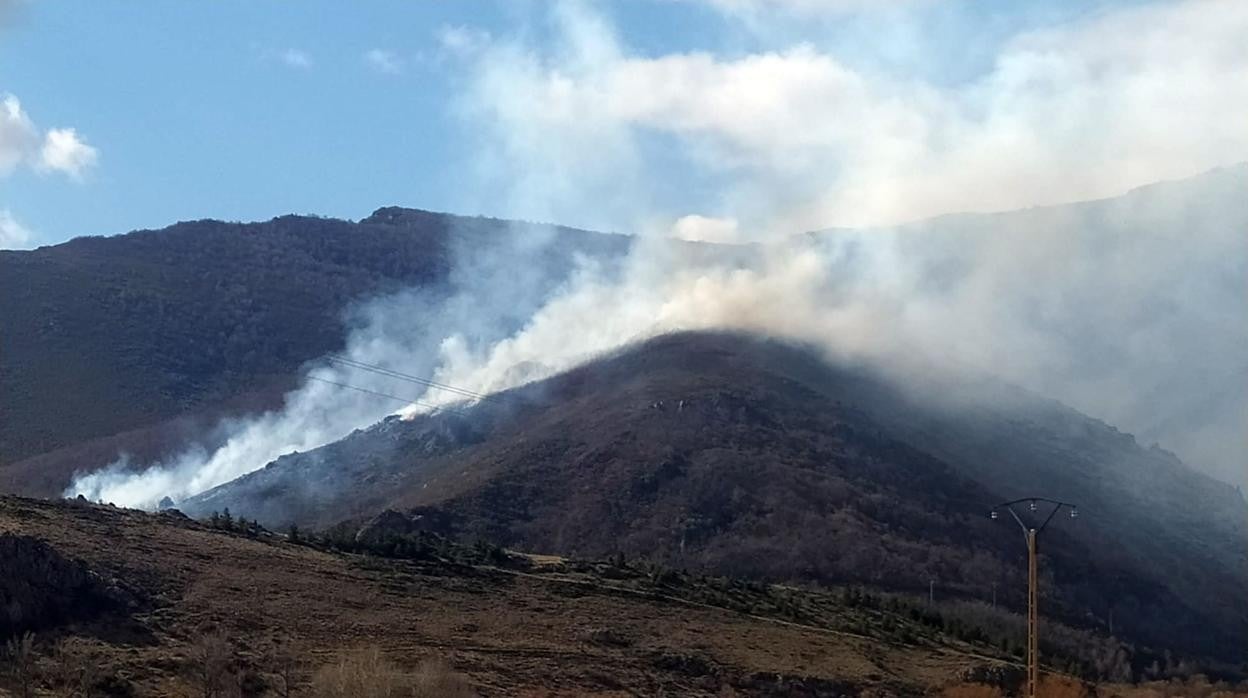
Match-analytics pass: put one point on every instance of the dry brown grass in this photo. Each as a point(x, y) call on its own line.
point(1051, 686)
point(360, 673)
point(367, 673)
point(509, 633)
point(972, 690)
point(1195, 687)
point(434, 678)
point(73, 669)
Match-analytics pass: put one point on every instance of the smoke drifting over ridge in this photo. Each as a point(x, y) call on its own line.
point(490, 293)
point(1129, 309)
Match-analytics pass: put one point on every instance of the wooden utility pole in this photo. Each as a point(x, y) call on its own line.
point(1032, 535)
point(1033, 618)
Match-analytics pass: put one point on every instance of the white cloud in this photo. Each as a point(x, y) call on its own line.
point(696, 228)
point(754, 9)
point(13, 236)
point(296, 58)
point(1083, 110)
point(462, 40)
point(383, 61)
point(64, 152)
point(17, 134)
point(57, 150)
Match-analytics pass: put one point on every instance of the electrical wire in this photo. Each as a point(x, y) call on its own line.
point(382, 371)
point(406, 401)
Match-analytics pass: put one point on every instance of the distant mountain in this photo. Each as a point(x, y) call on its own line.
point(135, 343)
point(1129, 308)
point(1132, 308)
point(733, 454)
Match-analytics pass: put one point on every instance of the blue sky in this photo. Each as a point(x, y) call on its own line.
point(244, 110)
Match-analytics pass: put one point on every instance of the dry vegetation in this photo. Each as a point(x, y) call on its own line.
point(367, 673)
point(217, 613)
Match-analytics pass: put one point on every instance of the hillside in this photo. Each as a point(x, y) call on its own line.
point(730, 454)
point(126, 603)
point(1129, 308)
point(175, 605)
point(135, 342)
point(158, 335)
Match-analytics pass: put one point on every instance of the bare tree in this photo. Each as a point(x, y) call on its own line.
point(20, 652)
point(210, 656)
point(285, 660)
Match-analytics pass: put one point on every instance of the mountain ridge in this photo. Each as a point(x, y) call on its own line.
point(208, 320)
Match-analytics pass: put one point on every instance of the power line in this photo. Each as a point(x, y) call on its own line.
point(383, 371)
point(403, 400)
point(429, 383)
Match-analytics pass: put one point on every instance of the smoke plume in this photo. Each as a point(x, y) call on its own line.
point(1130, 308)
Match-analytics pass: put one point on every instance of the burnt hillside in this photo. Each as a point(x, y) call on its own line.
point(733, 454)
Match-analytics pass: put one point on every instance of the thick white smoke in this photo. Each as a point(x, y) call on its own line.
point(1130, 310)
point(489, 295)
point(317, 413)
